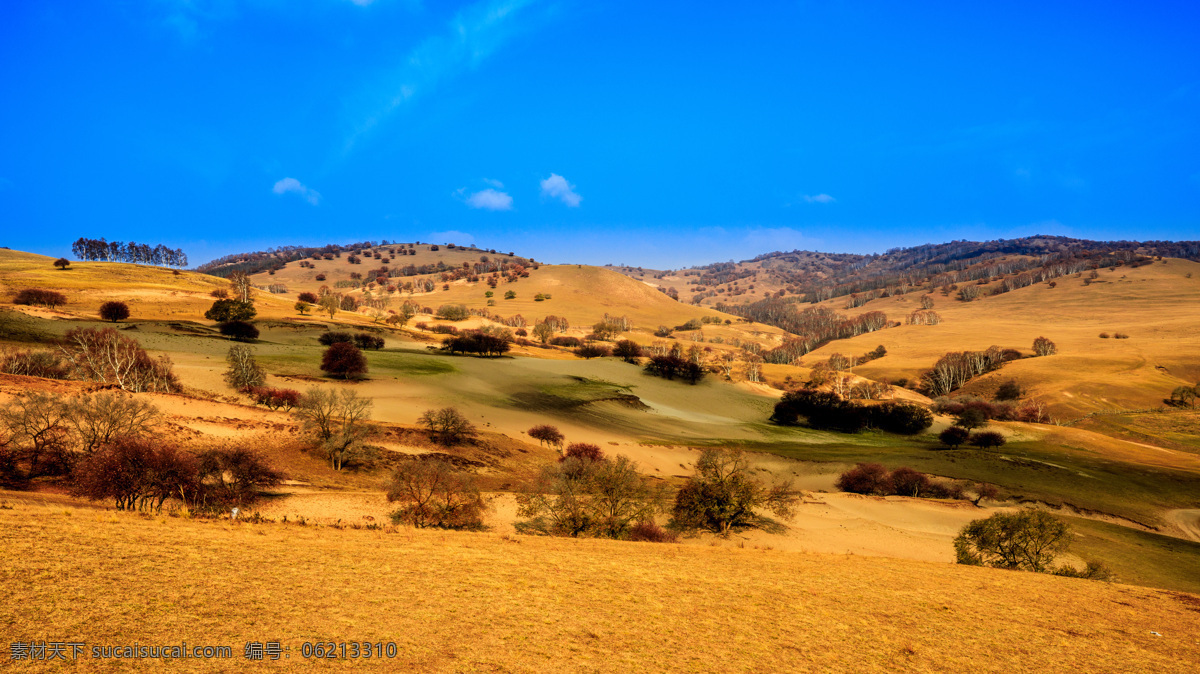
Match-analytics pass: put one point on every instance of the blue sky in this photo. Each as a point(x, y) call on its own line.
point(659, 134)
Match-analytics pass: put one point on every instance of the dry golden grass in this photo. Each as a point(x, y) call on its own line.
point(1154, 304)
point(480, 602)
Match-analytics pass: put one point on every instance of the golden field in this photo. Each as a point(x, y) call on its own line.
point(483, 602)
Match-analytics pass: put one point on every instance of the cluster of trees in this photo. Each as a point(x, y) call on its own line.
point(828, 410)
point(873, 478)
point(434, 493)
point(142, 473)
point(955, 369)
point(447, 426)
point(1184, 396)
point(1032, 411)
point(483, 342)
point(810, 329)
point(670, 367)
point(588, 494)
point(39, 297)
point(956, 436)
point(105, 355)
point(136, 253)
point(1028, 540)
point(43, 434)
point(362, 340)
point(233, 318)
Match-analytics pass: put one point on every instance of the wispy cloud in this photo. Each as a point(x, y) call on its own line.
point(818, 198)
point(494, 183)
point(486, 199)
point(473, 35)
point(295, 186)
point(765, 239)
point(557, 187)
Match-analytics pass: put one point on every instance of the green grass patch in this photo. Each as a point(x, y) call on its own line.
point(1139, 557)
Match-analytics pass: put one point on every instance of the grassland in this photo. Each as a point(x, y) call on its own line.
point(481, 602)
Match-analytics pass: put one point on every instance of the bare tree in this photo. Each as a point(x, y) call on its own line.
point(38, 420)
point(447, 425)
point(240, 283)
point(1044, 347)
point(338, 421)
point(433, 493)
point(101, 418)
point(244, 373)
point(108, 356)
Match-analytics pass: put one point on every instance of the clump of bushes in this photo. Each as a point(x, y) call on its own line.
point(589, 351)
point(40, 297)
point(649, 532)
point(45, 364)
point(827, 410)
point(240, 331)
point(478, 342)
point(1029, 412)
point(275, 398)
point(361, 340)
point(669, 367)
point(433, 493)
point(875, 479)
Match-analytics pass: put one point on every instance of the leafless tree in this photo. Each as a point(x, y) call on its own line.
point(338, 421)
point(37, 420)
point(100, 418)
point(244, 372)
point(110, 357)
point(240, 283)
point(433, 493)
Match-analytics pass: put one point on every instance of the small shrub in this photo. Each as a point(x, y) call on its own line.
point(589, 351)
point(908, 482)
point(866, 478)
point(987, 439)
point(333, 337)
point(566, 341)
point(1009, 390)
point(1120, 335)
point(954, 436)
point(1104, 335)
point(40, 297)
point(240, 331)
point(1044, 347)
point(649, 532)
point(584, 451)
point(367, 342)
point(220, 293)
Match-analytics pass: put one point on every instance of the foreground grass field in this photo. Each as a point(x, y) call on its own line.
point(480, 602)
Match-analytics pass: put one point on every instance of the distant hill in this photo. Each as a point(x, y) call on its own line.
point(811, 276)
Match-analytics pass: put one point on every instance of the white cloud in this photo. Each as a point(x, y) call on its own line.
point(557, 187)
point(452, 236)
point(487, 199)
point(494, 183)
point(818, 198)
point(292, 185)
point(473, 35)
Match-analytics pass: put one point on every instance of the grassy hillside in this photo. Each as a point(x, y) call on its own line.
point(1154, 305)
point(470, 602)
